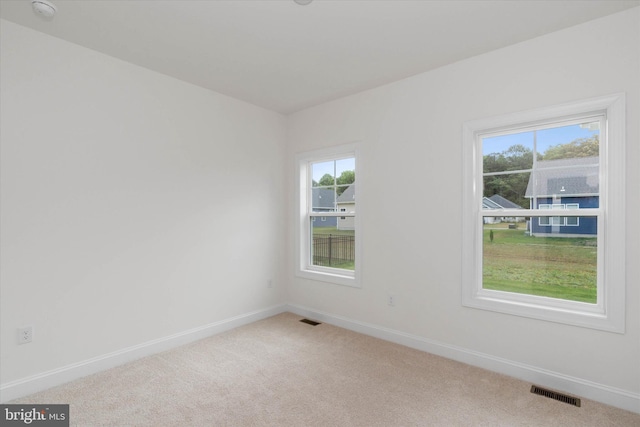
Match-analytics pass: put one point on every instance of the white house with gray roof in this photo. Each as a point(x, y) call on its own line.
point(497, 202)
point(347, 203)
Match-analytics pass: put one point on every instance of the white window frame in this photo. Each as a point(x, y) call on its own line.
point(304, 267)
point(544, 221)
point(577, 218)
point(608, 313)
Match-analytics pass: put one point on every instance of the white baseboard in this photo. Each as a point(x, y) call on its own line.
point(587, 389)
point(576, 386)
point(45, 380)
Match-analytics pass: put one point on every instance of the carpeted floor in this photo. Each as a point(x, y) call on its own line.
point(281, 372)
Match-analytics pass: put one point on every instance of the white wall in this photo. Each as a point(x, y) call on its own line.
point(411, 151)
point(134, 206)
point(128, 200)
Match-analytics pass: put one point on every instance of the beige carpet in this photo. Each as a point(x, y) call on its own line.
point(281, 372)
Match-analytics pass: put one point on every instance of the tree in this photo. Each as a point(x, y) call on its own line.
point(342, 182)
point(516, 157)
point(581, 147)
point(326, 180)
point(347, 177)
point(509, 186)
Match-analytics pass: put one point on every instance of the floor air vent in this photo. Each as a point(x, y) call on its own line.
point(310, 322)
point(555, 395)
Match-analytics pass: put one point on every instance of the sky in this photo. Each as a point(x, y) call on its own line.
point(545, 138)
point(319, 169)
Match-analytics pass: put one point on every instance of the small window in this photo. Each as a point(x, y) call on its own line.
point(557, 178)
point(328, 250)
point(544, 221)
point(572, 221)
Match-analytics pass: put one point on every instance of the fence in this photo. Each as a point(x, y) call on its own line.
point(334, 251)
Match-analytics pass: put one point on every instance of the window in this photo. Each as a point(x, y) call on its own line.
point(556, 176)
point(571, 221)
point(544, 220)
point(328, 250)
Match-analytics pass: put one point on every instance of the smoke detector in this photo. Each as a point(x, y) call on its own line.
point(43, 9)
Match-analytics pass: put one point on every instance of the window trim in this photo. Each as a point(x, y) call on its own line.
point(609, 313)
point(303, 267)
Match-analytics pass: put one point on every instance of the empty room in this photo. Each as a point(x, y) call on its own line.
point(320, 212)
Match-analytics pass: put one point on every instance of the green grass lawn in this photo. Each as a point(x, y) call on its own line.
point(333, 230)
point(555, 267)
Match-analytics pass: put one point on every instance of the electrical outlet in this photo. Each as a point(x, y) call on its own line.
point(391, 300)
point(25, 335)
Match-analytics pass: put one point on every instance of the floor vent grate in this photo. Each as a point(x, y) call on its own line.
point(555, 396)
point(310, 322)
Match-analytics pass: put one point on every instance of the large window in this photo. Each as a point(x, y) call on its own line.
point(328, 249)
point(543, 201)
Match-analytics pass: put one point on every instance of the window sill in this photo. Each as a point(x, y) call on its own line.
point(549, 309)
point(330, 276)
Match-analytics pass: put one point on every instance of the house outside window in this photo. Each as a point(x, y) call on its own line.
point(328, 250)
point(563, 169)
point(570, 221)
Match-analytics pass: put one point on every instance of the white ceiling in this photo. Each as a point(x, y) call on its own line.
point(285, 57)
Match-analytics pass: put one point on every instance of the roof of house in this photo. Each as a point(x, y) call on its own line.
point(348, 195)
point(504, 203)
point(322, 198)
point(498, 202)
point(567, 177)
point(487, 203)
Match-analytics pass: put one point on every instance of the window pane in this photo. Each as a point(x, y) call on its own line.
point(568, 142)
point(348, 166)
point(573, 221)
point(323, 173)
point(347, 203)
point(332, 247)
point(546, 264)
point(323, 200)
point(508, 152)
point(570, 179)
point(506, 191)
point(333, 189)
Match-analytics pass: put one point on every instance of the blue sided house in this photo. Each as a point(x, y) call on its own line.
point(564, 184)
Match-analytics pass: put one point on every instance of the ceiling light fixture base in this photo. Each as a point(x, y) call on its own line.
point(44, 9)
